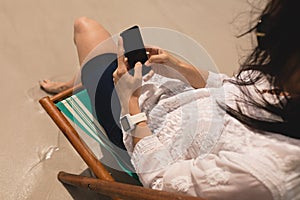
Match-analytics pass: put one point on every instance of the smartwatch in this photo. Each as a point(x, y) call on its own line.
point(128, 121)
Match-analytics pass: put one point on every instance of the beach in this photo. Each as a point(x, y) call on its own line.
point(36, 43)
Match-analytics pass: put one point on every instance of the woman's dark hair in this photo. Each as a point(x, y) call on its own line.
point(275, 58)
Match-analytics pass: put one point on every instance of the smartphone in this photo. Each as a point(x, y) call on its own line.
point(134, 48)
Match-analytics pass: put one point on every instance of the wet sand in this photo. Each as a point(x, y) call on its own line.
point(37, 42)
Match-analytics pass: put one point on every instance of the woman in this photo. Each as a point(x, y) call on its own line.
point(256, 155)
point(241, 142)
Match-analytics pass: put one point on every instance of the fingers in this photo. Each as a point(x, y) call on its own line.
point(137, 79)
point(138, 70)
point(156, 55)
point(159, 59)
point(120, 50)
point(121, 69)
point(148, 76)
point(121, 58)
point(152, 50)
point(117, 75)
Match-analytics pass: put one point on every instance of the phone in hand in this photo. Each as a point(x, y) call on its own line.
point(134, 48)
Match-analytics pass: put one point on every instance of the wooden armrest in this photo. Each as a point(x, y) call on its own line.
point(120, 190)
point(72, 135)
point(66, 93)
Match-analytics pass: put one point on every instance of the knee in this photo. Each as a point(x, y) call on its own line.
point(81, 24)
point(85, 27)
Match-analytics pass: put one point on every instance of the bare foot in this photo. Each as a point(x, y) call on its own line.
point(53, 87)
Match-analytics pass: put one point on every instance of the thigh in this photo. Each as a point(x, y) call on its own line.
point(98, 65)
point(96, 76)
point(88, 34)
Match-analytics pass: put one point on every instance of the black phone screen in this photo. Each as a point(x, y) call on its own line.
point(134, 47)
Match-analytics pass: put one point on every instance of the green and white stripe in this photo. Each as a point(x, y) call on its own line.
point(78, 109)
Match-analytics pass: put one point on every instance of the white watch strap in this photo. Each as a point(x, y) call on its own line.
point(138, 118)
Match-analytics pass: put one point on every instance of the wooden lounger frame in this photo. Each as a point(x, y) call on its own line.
point(105, 184)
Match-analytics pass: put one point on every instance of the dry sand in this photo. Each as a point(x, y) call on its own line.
point(37, 42)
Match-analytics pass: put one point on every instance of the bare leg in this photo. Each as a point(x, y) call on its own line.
point(87, 35)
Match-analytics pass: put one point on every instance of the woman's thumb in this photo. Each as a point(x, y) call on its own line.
point(138, 70)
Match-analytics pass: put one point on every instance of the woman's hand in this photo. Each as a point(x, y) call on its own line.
point(127, 86)
point(165, 64)
point(161, 62)
point(160, 56)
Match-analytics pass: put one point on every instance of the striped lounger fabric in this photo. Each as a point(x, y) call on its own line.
point(78, 109)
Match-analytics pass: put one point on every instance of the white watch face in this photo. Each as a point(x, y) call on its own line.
point(125, 123)
point(128, 122)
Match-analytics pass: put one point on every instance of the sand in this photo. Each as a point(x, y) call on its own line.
point(37, 42)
